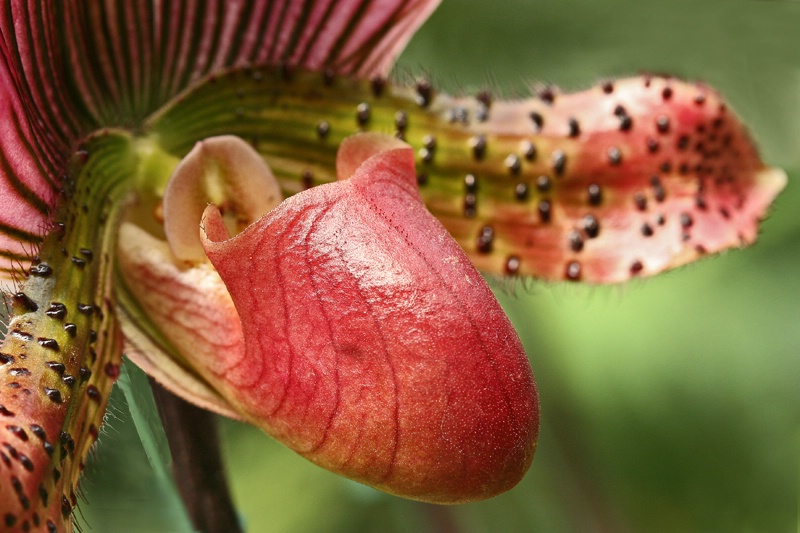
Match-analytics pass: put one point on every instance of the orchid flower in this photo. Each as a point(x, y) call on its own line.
point(145, 151)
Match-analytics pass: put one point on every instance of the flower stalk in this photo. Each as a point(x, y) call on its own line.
point(197, 463)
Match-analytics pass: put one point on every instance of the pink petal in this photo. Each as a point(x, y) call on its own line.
point(27, 188)
point(192, 310)
point(372, 346)
point(149, 51)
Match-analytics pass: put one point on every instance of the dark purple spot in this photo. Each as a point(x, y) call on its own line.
point(26, 463)
point(307, 179)
point(573, 271)
point(41, 270)
point(22, 335)
point(647, 230)
point(67, 441)
point(112, 370)
point(547, 95)
point(66, 508)
point(93, 393)
point(614, 155)
point(53, 394)
point(470, 205)
point(636, 268)
point(71, 329)
point(323, 129)
point(484, 97)
point(700, 203)
point(512, 265)
point(328, 76)
point(574, 127)
point(400, 121)
point(39, 431)
point(595, 195)
point(545, 211)
point(424, 93)
point(377, 84)
point(590, 226)
point(529, 150)
point(575, 241)
point(513, 164)
point(662, 123)
point(426, 155)
point(23, 300)
point(640, 201)
point(56, 310)
point(559, 161)
point(18, 432)
point(543, 183)
point(478, 144)
point(50, 344)
point(521, 191)
point(470, 183)
point(363, 114)
point(485, 241)
point(55, 366)
point(537, 119)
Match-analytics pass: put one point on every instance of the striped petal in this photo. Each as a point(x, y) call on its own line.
point(69, 68)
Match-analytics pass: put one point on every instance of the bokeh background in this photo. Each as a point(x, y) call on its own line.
point(669, 404)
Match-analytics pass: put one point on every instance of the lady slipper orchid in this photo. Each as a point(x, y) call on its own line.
point(365, 339)
point(343, 320)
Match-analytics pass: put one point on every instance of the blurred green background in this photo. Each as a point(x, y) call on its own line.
point(669, 404)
